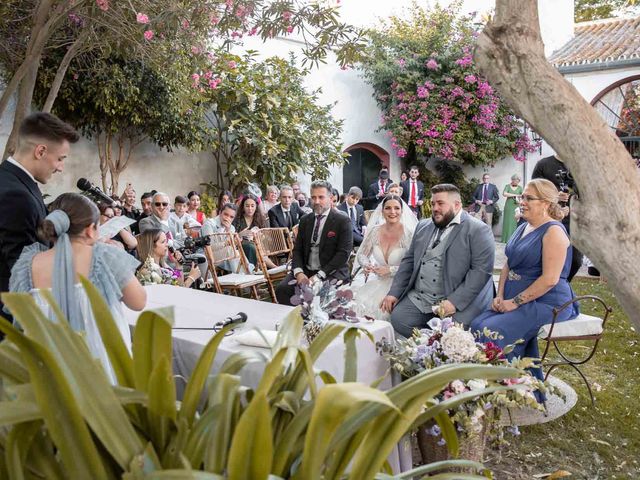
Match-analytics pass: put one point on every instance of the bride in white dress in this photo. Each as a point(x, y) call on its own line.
point(389, 233)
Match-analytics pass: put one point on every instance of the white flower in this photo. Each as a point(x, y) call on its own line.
point(459, 345)
point(458, 386)
point(477, 384)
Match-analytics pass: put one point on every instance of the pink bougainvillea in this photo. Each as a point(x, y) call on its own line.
point(148, 34)
point(103, 4)
point(142, 18)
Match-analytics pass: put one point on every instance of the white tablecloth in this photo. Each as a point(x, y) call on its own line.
point(193, 308)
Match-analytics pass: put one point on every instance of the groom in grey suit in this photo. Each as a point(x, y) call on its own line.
point(449, 263)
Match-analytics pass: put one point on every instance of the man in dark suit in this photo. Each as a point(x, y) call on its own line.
point(413, 191)
point(322, 247)
point(287, 213)
point(355, 212)
point(485, 196)
point(43, 145)
point(378, 189)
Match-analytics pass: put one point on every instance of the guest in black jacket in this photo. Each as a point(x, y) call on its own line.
point(43, 146)
point(355, 212)
point(322, 247)
point(413, 191)
point(378, 189)
point(287, 213)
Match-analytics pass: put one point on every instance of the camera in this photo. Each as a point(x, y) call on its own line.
point(188, 250)
point(567, 183)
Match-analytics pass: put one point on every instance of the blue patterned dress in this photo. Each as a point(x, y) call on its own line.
point(525, 259)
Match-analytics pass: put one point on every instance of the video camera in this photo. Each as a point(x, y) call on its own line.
point(567, 183)
point(188, 250)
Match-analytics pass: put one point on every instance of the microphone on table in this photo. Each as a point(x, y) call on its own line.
point(86, 186)
point(239, 317)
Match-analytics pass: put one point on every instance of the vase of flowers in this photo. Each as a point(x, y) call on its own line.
point(478, 419)
point(321, 302)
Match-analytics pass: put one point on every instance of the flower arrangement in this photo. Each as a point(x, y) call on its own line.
point(150, 273)
point(324, 301)
point(446, 342)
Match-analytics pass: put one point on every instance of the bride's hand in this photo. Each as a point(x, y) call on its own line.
point(382, 270)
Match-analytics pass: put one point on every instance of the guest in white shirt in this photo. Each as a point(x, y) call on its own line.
point(179, 219)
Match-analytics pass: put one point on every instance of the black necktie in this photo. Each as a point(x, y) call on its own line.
point(438, 236)
point(316, 229)
point(352, 215)
point(287, 217)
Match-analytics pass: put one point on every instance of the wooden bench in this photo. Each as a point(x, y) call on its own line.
point(582, 328)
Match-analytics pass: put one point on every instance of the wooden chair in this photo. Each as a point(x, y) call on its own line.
point(273, 243)
point(226, 247)
point(582, 328)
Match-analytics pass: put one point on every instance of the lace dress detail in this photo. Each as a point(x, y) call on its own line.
point(370, 291)
point(110, 271)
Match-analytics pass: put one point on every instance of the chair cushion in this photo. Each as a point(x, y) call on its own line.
point(582, 325)
point(278, 269)
point(237, 279)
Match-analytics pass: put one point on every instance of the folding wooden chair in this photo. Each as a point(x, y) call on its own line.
point(225, 249)
point(273, 243)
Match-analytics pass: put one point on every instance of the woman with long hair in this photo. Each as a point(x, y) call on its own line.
point(72, 228)
point(248, 220)
point(194, 207)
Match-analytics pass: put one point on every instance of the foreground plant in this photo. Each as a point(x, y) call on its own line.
point(60, 418)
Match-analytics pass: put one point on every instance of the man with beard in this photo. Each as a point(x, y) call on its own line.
point(449, 264)
point(322, 247)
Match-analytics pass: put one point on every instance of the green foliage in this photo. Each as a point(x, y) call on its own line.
point(62, 419)
point(265, 125)
point(587, 10)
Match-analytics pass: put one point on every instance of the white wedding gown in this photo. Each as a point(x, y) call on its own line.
point(369, 292)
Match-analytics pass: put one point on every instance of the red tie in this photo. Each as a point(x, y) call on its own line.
point(382, 187)
point(413, 193)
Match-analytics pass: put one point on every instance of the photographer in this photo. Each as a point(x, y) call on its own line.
point(552, 169)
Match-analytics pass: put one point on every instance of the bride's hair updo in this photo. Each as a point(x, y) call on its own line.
point(81, 211)
point(392, 197)
point(547, 192)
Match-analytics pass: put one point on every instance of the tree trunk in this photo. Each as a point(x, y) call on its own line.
point(102, 154)
point(63, 67)
point(604, 226)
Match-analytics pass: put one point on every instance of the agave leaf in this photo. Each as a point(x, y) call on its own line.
point(61, 413)
point(251, 452)
point(434, 467)
point(199, 376)
point(290, 331)
point(119, 355)
point(151, 342)
point(238, 360)
point(42, 459)
point(162, 403)
point(291, 441)
point(130, 396)
point(14, 412)
point(333, 405)
point(182, 475)
point(11, 366)
point(17, 447)
point(350, 355)
point(86, 377)
point(448, 432)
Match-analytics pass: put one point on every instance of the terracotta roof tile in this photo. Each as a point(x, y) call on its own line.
point(599, 42)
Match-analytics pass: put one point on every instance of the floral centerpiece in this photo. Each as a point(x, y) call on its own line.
point(150, 273)
point(324, 301)
point(446, 342)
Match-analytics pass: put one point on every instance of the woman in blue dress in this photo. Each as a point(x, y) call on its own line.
point(534, 278)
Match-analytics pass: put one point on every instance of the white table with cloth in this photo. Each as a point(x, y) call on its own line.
point(198, 309)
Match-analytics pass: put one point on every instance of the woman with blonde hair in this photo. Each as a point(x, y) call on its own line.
point(534, 278)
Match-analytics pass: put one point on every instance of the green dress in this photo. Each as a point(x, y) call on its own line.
point(509, 223)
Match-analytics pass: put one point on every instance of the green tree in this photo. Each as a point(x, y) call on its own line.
point(434, 101)
point(265, 125)
point(586, 10)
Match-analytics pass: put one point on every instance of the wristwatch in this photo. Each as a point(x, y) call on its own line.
point(518, 300)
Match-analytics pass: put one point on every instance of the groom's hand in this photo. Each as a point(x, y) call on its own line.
point(302, 279)
point(449, 308)
point(388, 303)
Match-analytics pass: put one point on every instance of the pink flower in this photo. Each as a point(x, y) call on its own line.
point(470, 79)
point(432, 64)
point(465, 61)
point(148, 35)
point(213, 83)
point(253, 31)
point(232, 64)
point(423, 92)
point(290, 29)
point(142, 18)
point(402, 152)
point(185, 24)
point(195, 50)
point(401, 62)
point(76, 76)
point(214, 20)
point(103, 5)
point(236, 34)
point(230, 3)
point(286, 16)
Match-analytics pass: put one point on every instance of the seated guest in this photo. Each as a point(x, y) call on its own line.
point(116, 205)
point(153, 244)
point(296, 189)
point(534, 278)
point(322, 246)
point(224, 197)
point(129, 209)
point(246, 223)
point(159, 218)
point(449, 263)
point(355, 212)
point(335, 197)
point(287, 213)
point(124, 238)
point(72, 227)
point(223, 223)
point(194, 206)
point(179, 220)
point(301, 197)
point(145, 201)
point(395, 189)
point(271, 198)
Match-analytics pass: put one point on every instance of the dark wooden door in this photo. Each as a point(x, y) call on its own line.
point(361, 170)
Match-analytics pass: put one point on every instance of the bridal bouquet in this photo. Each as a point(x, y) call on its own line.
point(150, 273)
point(447, 342)
point(321, 302)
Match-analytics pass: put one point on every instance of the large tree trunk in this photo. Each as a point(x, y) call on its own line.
point(604, 219)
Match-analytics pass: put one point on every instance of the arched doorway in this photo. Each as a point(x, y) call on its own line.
point(362, 167)
point(619, 106)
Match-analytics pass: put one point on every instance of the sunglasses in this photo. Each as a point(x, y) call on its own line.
point(161, 204)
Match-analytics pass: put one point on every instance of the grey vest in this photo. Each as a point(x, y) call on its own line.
point(429, 287)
